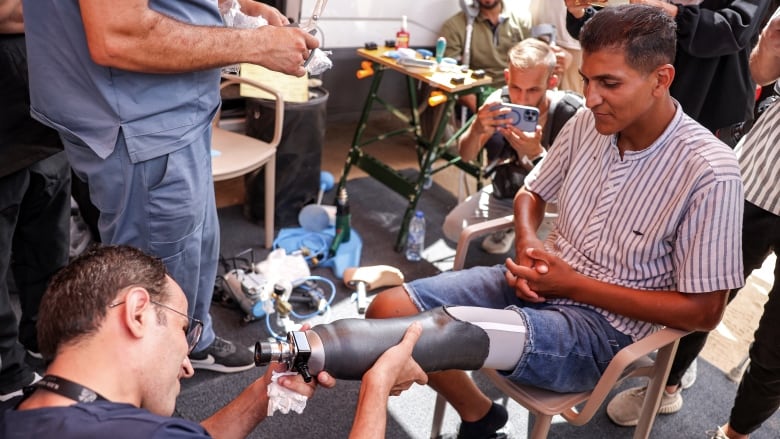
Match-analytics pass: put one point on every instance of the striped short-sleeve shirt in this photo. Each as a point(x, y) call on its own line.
point(759, 155)
point(668, 217)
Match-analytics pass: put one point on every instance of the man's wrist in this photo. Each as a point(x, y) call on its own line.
point(538, 158)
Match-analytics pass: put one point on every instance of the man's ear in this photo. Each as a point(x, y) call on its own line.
point(552, 81)
point(506, 75)
point(664, 76)
point(137, 301)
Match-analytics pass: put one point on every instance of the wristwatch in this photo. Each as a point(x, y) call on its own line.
point(538, 158)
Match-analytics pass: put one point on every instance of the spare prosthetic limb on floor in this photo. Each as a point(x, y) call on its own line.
point(365, 279)
point(457, 337)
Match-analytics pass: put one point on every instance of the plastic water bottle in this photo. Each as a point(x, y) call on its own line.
point(415, 241)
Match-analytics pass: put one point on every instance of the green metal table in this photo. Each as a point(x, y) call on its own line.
point(429, 149)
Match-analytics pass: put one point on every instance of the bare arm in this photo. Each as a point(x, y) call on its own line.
point(529, 211)
point(11, 21)
point(538, 275)
point(480, 131)
point(765, 58)
point(692, 312)
point(257, 9)
point(241, 416)
point(131, 36)
point(394, 372)
point(528, 214)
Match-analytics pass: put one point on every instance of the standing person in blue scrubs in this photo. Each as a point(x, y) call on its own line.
point(132, 88)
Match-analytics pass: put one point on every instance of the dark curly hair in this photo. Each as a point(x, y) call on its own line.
point(77, 299)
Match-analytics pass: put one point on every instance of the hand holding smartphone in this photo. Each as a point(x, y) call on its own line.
point(523, 117)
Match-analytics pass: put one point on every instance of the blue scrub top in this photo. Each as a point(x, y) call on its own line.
point(92, 105)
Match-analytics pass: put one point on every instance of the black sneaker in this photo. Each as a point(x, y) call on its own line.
point(223, 356)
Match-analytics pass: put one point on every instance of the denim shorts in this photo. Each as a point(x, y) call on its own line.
point(567, 347)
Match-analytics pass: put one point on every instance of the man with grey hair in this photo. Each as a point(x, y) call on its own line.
point(511, 152)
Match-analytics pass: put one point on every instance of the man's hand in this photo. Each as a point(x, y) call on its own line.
point(522, 290)
point(395, 370)
point(545, 277)
point(562, 59)
point(296, 382)
point(392, 373)
point(765, 57)
point(283, 49)
point(257, 9)
point(489, 118)
point(772, 34)
point(524, 143)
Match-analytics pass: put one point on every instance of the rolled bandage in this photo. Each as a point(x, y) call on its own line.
point(283, 399)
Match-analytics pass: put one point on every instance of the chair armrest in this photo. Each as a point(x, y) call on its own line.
point(475, 231)
point(229, 79)
point(625, 358)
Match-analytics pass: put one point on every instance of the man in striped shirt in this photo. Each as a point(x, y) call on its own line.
point(648, 233)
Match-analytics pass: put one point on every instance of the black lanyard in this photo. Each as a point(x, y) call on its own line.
point(65, 388)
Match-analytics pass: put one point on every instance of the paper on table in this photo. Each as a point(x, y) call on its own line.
point(292, 88)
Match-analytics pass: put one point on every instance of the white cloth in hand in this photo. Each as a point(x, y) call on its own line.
point(283, 399)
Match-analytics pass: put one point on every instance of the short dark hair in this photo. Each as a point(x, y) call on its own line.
point(77, 299)
point(646, 34)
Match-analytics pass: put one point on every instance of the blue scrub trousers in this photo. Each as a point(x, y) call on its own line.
point(164, 206)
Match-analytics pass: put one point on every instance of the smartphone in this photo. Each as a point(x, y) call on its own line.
point(523, 117)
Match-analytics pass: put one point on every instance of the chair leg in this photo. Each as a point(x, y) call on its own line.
point(541, 427)
point(655, 388)
point(270, 202)
point(438, 416)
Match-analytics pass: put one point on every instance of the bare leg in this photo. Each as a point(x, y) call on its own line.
point(456, 387)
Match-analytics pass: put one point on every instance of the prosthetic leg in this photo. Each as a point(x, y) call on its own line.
point(458, 337)
point(364, 279)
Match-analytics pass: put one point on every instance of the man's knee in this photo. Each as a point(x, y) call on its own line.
point(393, 302)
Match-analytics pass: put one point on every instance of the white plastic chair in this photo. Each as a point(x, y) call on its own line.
point(632, 361)
point(239, 154)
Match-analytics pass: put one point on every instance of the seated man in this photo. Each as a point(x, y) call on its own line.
point(114, 331)
point(648, 233)
point(495, 30)
point(531, 82)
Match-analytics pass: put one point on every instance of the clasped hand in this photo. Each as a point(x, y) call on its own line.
point(538, 275)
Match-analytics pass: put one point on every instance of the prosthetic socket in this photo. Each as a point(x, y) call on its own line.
point(458, 337)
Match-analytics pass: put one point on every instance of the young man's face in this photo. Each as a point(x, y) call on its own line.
point(528, 86)
point(171, 362)
point(619, 96)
